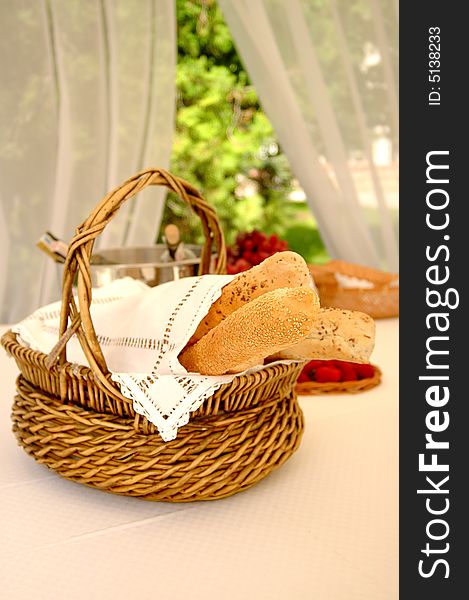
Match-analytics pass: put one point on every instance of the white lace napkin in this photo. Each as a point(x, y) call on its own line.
point(346, 281)
point(141, 331)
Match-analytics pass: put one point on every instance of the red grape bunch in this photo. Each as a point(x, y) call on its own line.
point(251, 249)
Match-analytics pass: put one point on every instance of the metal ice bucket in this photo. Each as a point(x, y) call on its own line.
point(142, 263)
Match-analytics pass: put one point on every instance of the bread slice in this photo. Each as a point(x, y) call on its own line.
point(336, 334)
point(268, 324)
point(282, 270)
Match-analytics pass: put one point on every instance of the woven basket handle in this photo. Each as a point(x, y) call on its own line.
point(77, 320)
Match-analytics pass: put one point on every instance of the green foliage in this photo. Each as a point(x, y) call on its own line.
point(305, 239)
point(223, 141)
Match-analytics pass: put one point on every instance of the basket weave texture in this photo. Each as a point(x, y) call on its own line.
point(76, 421)
point(380, 302)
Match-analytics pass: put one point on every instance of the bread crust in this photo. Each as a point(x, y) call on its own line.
point(270, 323)
point(282, 270)
point(336, 334)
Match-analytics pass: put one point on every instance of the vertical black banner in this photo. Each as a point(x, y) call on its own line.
point(434, 330)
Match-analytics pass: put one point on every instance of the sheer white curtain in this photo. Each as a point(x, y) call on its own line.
point(326, 72)
point(87, 99)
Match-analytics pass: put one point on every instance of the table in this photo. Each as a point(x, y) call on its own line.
point(323, 527)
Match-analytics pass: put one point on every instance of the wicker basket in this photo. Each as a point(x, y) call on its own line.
point(381, 301)
point(314, 388)
point(76, 421)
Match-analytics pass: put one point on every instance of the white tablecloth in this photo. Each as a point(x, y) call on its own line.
point(322, 527)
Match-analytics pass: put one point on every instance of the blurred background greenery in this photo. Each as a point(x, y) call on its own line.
point(225, 145)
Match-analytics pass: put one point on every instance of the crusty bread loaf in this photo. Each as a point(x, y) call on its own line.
point(268, 324)
point(282, 270)
point(336, 334)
